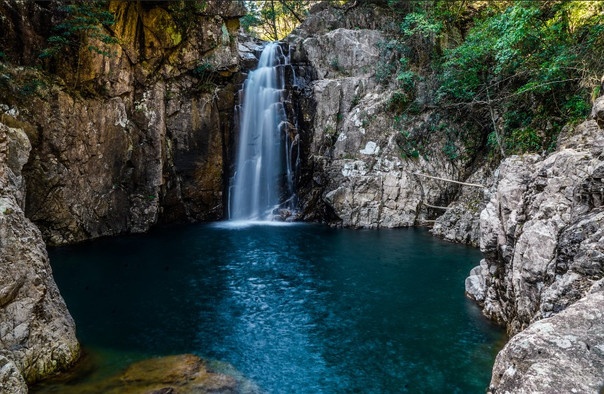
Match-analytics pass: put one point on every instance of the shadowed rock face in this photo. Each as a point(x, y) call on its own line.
point(542, 241)
point(37, 334)
point(144, 141)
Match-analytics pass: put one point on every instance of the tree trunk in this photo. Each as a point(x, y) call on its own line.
point(274, 16)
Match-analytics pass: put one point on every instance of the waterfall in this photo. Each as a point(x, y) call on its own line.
point(262, 187)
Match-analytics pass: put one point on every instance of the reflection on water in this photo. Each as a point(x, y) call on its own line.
point(301, 308)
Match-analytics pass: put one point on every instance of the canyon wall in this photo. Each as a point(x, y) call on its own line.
point(143, 138)
point(37, 334)
point(543, 270)
point(360, 169)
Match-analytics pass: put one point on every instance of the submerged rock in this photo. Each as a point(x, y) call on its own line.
point(184, 373)
point(176, 374)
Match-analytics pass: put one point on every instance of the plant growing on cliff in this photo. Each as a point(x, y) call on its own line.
point(82, 27)
point(185, 13)
point(205, 74)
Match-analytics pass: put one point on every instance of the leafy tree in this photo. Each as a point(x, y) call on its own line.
point(84, 23)
point(274, 19)
point(528, 69)
point(185, 13)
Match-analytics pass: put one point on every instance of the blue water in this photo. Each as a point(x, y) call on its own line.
point(296, 309)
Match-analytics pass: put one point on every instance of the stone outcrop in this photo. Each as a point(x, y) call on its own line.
point(460, 221)
point(541, 276)
point(563, 353)
point(359, 170)
point(540, 232)
point(37, 334)
point(145, 140)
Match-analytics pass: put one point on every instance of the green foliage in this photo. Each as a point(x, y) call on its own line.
point(539, 61)
point(84, 19)
point(421, 24)
point(387, 65)
point(451, 151)
point(205, 75)
point(274, 19)
point(32, 86)
point(576, 108)
point(398, 101)
point(184, 13)
point(335, 64)
point(524, 140)
point(407, 79)
point(412, 147)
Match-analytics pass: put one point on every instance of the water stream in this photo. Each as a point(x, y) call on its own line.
point(263, 179)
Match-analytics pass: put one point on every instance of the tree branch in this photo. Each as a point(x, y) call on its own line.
point(449, 180)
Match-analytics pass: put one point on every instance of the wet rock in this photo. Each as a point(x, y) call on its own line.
point(182, 373)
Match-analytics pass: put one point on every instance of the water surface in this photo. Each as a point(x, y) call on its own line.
point(297, 309)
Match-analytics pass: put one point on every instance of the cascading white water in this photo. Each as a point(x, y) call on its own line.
point(263, 179)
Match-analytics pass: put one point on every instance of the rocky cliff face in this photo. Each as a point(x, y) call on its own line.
point(145, 139)
point(37, 334)
point(360, 169)
point(542, 239)
point(564, 353)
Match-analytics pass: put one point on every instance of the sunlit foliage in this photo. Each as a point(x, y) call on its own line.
point(514, 72)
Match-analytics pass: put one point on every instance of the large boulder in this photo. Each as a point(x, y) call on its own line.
point(563, 353)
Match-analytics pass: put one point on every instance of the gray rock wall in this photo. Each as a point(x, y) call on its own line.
point(360, 176)
point(37, 334)
point(543, 244)
point(540, 231)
